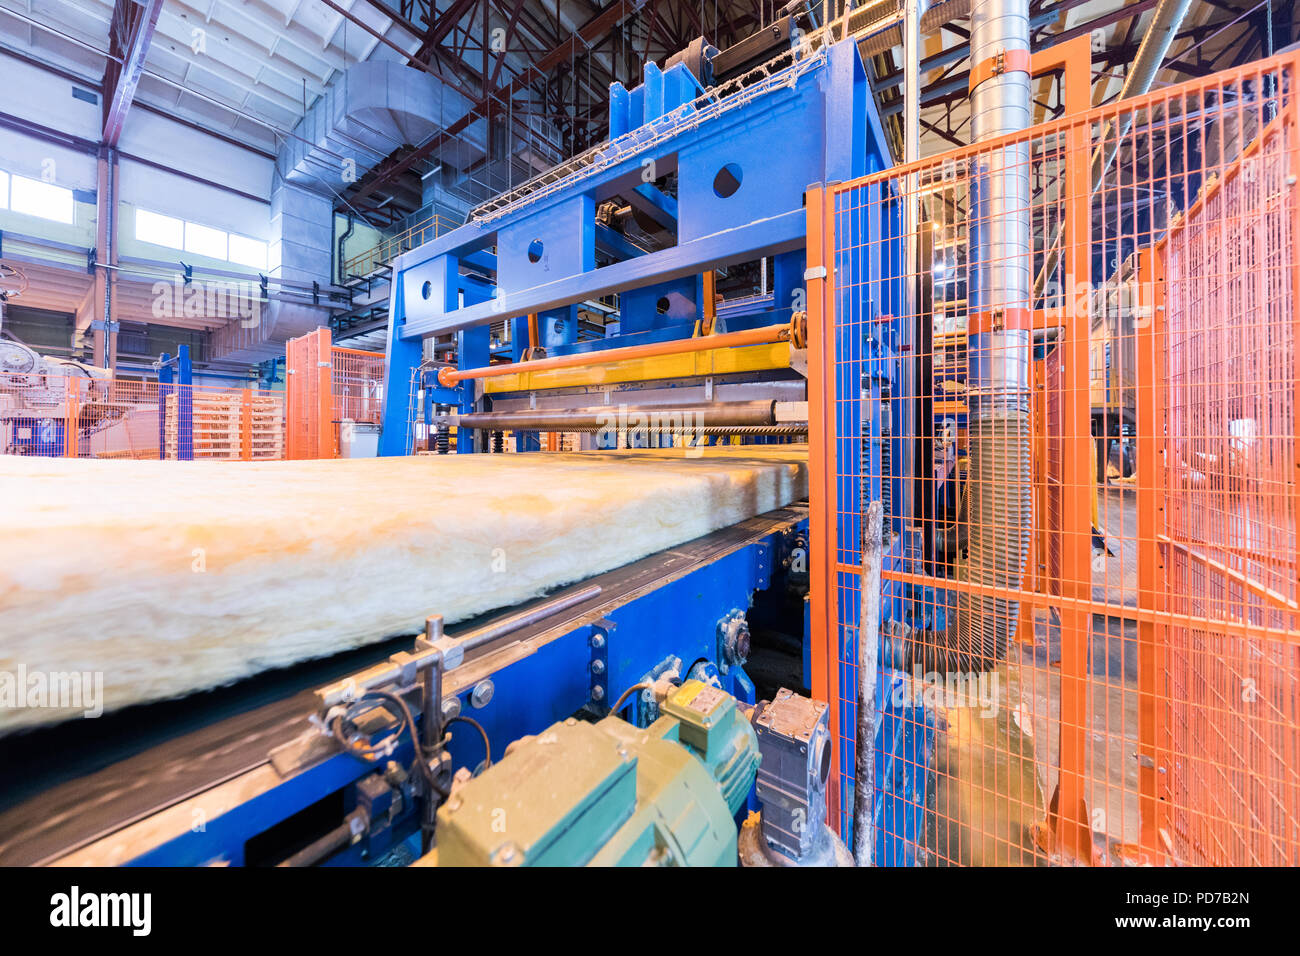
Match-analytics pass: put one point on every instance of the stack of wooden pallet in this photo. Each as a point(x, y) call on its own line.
point(217, 426)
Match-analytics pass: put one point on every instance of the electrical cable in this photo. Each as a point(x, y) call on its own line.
point(618, 705)
point(370, 753)
point(487, 744)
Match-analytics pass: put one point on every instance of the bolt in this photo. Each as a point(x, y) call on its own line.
point(598, 667)
point(598, 692)
point(481, 695)
point(450, 708)
point(598, 640)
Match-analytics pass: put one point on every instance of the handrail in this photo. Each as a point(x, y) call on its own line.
point(363, 263)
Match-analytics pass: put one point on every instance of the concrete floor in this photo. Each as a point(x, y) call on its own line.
point(992, 776)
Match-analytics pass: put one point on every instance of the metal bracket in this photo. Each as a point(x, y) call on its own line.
point(816, 272)
point(598, 666)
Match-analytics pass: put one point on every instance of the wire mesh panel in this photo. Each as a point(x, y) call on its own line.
point(1229, 544)
point(1063, 361)
point(80, 415)
point(357, 385)
point(310, 409)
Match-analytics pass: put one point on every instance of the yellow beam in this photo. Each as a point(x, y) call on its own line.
point(724, 361)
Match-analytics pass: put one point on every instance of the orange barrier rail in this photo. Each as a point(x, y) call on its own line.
point(1147, 705)
point(76, 416)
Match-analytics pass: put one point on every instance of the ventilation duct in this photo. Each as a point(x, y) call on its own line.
point(372, 110)
point(980, 629)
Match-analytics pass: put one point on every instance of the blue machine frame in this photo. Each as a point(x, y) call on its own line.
point(812, 122)
point(549, 681)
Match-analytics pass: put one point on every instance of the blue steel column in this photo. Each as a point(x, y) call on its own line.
point(401, 358)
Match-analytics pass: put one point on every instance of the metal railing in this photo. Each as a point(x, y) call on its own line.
point(380, 255)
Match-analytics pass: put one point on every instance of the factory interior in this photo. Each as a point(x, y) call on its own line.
point(559, 433)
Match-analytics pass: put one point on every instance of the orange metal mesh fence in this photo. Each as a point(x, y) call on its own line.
point(357, 382)
point(311, 433)
point(330, 391)
point(77, 416)
point(1085, 444)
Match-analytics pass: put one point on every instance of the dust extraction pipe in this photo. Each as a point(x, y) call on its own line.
point(999, 329)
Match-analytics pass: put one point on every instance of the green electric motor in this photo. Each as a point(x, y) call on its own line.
point(610, 794)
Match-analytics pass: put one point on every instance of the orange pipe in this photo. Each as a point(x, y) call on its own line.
point(762, 336)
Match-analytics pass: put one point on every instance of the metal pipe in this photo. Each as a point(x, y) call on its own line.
point(998, 345)
point(390, 671)
point(622, 416)
point(760, 336)
point(354, 823)
point(516, 622)
point(689, 431)
point(911, 390)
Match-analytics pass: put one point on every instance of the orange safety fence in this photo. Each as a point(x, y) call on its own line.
point(79, 416)
point(330, 390)
point(1100, 552)
point(357, 383)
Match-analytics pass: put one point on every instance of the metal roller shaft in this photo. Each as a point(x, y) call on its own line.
point(624, 417)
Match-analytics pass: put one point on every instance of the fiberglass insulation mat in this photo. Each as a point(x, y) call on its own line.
point(169, 577)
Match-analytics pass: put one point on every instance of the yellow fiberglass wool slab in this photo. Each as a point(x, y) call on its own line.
point(168, 577)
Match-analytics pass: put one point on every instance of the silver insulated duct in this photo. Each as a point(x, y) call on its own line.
point(1000, 504)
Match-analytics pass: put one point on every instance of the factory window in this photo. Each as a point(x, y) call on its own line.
point(247, 252)
point(206, 241)
point(44, 200)
point(160, 230)
point(4, 190)
point(176, 233)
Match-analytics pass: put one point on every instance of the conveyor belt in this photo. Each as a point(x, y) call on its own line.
point(71, 784)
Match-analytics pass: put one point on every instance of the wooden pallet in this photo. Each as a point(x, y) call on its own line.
point(217, 421)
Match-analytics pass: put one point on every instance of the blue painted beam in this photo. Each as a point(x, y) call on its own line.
point(766, 237)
